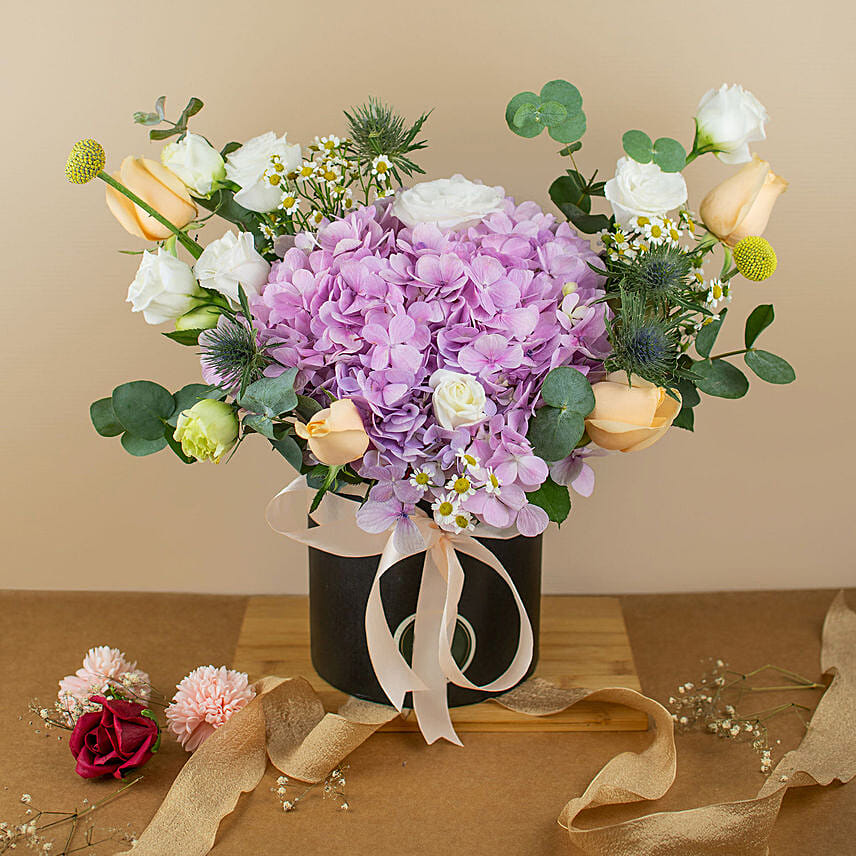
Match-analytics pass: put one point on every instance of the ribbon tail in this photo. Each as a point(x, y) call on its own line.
point(431, 705)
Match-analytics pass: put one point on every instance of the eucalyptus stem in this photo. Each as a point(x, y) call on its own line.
point(187, 242)
point(730, 354)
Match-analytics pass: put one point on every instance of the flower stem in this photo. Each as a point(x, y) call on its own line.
point(187, 242)
point(730, 354)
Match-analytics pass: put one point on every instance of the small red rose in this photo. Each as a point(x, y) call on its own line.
point(120, 737)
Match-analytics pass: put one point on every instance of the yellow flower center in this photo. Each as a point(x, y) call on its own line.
point(461, 485)
point(445, 509)
point(462, 521)
point(493, 480)
point(755, 258)
point(422, 478)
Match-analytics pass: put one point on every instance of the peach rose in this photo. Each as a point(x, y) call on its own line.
point(629, 418)
point(336, 435)
point(157, 186)
point(741, 205)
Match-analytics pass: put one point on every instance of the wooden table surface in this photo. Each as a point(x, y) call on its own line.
point(499, 795)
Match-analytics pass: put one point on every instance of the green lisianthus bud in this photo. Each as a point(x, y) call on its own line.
point(201, 318)
point(207, 430)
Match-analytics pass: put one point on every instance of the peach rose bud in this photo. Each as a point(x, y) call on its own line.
point(741, 205)
point(157, 186)
point(336, 435)
point(629, 418)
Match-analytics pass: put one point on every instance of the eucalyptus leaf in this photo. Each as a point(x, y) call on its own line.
point(526, 113)
point(566, 387)
point(139, 447)
point(554, 498)
point(530, 128)
point(569, 130)
point(104, 418)
point(307, 407)
point(163, 133)
point(229, 148)
point(759, 319)
point(719, 378)
point(769, 367)
point(563, 93)
point(554, 433)
point(261, 424)
point(551, 113)
point(271, 396)
point(689, 394)
point(569, 150)
point(142, 407)
point(669, 155)
point(706, 337)
point(638, 146)
point(288, 448)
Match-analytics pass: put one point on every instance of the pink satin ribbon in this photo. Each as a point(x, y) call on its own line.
point(436, 610)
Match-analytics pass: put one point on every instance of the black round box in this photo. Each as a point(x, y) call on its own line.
point(488, 627)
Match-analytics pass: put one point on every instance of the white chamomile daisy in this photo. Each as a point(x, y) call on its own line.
point(267, 231)
point(445, 508)
point(307, 170)
point(462, 522)
point(697, 279)
point(290, 202)
point(315, 218)
point(655, 231)
point(673, 233)
point(328, 144)
point(639, 223)
point(348, 199)
point(491, 484)
point(461, 486)
point(424, 477)
point(717, 292)
point(381, 166)
point(468, 459)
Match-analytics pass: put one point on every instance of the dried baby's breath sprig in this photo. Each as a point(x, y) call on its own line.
point(333, 789)
point(32, 831)
point(712, 704)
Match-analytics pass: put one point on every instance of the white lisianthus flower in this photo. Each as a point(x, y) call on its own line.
point(164, 287)
point(459, 399)
point(728, 119)
point(451, 203)
point(251, 167)
point(643, 190)
point(195, 162)
point(231, 260)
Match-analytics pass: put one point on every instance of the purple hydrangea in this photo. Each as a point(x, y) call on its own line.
point(369, 309)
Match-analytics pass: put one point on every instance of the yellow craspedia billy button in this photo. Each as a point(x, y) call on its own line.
point(755, 258)
point(85, 161)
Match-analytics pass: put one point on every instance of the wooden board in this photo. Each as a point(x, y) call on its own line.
point(583, 644)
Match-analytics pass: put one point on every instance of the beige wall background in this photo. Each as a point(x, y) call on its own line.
point(760, 496)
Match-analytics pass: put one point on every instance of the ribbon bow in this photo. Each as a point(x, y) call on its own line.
point(433, 665)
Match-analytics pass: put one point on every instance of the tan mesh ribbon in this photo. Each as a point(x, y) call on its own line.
point(287, 724)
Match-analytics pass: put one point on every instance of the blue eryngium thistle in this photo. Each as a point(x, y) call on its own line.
point(660, 272)
point(643, 343)
point(231, 352)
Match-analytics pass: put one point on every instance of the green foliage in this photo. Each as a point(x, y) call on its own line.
point(287, 446)
point(184, 337)
point(558, 108)
point(769, 367)
point(719, 378)
point(707, 335)
point(759, 319)
point(222, 203)
point(189, 395)
point(667, 153)
point(685, 419)
point(104, 418)
point(573, 194)
point(261, 424)
point(554, 498)
point(558, 425)
point(139, 447)
point(142, 407)
point(177, 128)
point(271, 396)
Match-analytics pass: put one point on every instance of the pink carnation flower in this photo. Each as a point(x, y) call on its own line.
point(206, 699)
point(101, 666)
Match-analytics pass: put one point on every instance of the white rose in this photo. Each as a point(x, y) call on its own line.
point(163, 289)
point(728, 119)
point(231, 260)
point(195, 162)
point(458, 399)
point(643, 189)
point(451, 203)
point(247, 167)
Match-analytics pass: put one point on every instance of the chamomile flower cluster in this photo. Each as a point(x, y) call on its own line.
point(330, 182)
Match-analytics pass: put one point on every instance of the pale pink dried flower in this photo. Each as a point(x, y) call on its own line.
point(101, 666)
point(206, 699)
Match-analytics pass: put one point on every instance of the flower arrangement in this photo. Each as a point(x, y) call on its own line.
point(438, 344)
point(107, 706)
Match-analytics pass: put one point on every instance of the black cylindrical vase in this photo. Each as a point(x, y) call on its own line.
point(486, 636)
